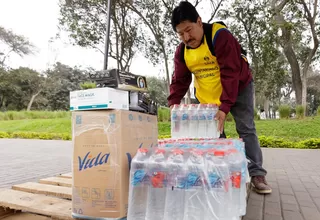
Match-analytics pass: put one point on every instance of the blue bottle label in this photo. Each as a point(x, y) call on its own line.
point(202, 117)
point(185, 116)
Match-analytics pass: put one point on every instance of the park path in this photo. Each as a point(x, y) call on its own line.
point(29, 160)
point(295, 178)
point(293, 174)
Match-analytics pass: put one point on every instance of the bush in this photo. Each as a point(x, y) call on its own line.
point(284, 111)
point(36, 135)
point(265, 142)
point(163, 114)
point(229, 117)
point(19, 115)
point(300, 111)
point(88, 85)
point(318, 111)
point(271, 142)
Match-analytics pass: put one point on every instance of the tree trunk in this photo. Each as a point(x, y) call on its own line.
point(295, 70)
point(32, 100)
point(266, 107)
point(167, 70)
point(304, 94)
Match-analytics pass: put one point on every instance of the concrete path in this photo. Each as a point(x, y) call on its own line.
point(30, 160)
point(293, 174)
point(295, 178)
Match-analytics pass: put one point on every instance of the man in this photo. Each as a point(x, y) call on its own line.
point(222, 76)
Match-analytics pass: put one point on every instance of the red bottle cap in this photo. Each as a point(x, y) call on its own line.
point(160, 151)
point(143, 150)
point(177, 151)
point(219, 153)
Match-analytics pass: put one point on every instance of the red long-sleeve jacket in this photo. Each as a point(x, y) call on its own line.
point(234, 71)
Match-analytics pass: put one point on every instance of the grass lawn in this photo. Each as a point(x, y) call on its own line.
point(292, 129)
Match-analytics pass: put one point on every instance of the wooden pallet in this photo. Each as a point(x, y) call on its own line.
point(50, 198)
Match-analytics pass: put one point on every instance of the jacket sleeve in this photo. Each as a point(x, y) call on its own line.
point(181, 79)
point(228, 53)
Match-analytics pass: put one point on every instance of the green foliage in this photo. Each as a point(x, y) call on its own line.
point(85, 22)
point(300, 111)
point(271, 142)
point(24, 88)
point(14, 115)
point(250, 22)
point(36, 135)
point(318, 111)
point(265, 142)
point(229, 117)
point(88, 85)
point(163, 114)
point(284, 111)
point(61, 80)
point(18, 86)
point(157, 90)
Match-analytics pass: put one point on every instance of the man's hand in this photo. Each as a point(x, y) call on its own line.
point(220, 117)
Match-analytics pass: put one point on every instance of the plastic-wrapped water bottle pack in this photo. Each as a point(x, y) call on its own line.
point(189, 179)
point(194, 120)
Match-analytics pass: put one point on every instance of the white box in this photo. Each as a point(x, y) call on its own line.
point(99, 98)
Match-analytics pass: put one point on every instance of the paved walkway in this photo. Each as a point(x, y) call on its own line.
point(30, 160)
point(295, 178)
point(293, 174)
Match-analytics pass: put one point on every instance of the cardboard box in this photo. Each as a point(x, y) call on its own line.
point(124, 80)
point(104, 144)
point(99, 98)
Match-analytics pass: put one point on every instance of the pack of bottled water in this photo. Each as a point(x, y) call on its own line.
point(194, 120)
point(189, 179)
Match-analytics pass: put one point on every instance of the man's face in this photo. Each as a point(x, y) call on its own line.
point(190, 33)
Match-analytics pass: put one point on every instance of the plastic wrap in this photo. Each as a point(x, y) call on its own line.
point(104, 142)
point(200, 179)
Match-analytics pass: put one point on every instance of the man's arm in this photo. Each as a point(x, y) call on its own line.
point(181, 79)
point(228, 52)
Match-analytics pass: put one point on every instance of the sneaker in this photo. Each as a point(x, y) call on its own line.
point(260, 185)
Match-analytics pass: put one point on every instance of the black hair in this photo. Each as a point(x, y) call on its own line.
point(185, 11)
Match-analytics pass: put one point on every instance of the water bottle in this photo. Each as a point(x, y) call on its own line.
point(212, 124)
point(175, 197)
point(157, 188)
point(202, 121)
point(184, 127)
point(193, 121)
point(175, 121)
point(235, 161)
point(139, 184)
point(240, 146)
point(195, 199)
point(219, 195)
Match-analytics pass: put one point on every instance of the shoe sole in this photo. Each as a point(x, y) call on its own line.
point(261, 191)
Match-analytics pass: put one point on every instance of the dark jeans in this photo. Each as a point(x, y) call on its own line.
point(243, 114)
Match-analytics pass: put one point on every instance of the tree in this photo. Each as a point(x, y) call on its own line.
point(31, 84)
point(19, 88)
point(13, 43)
point(161, 41)
point(249, 21)
point(157, 90)
point(62, 79)
point(294, 18)
point(85, 20)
